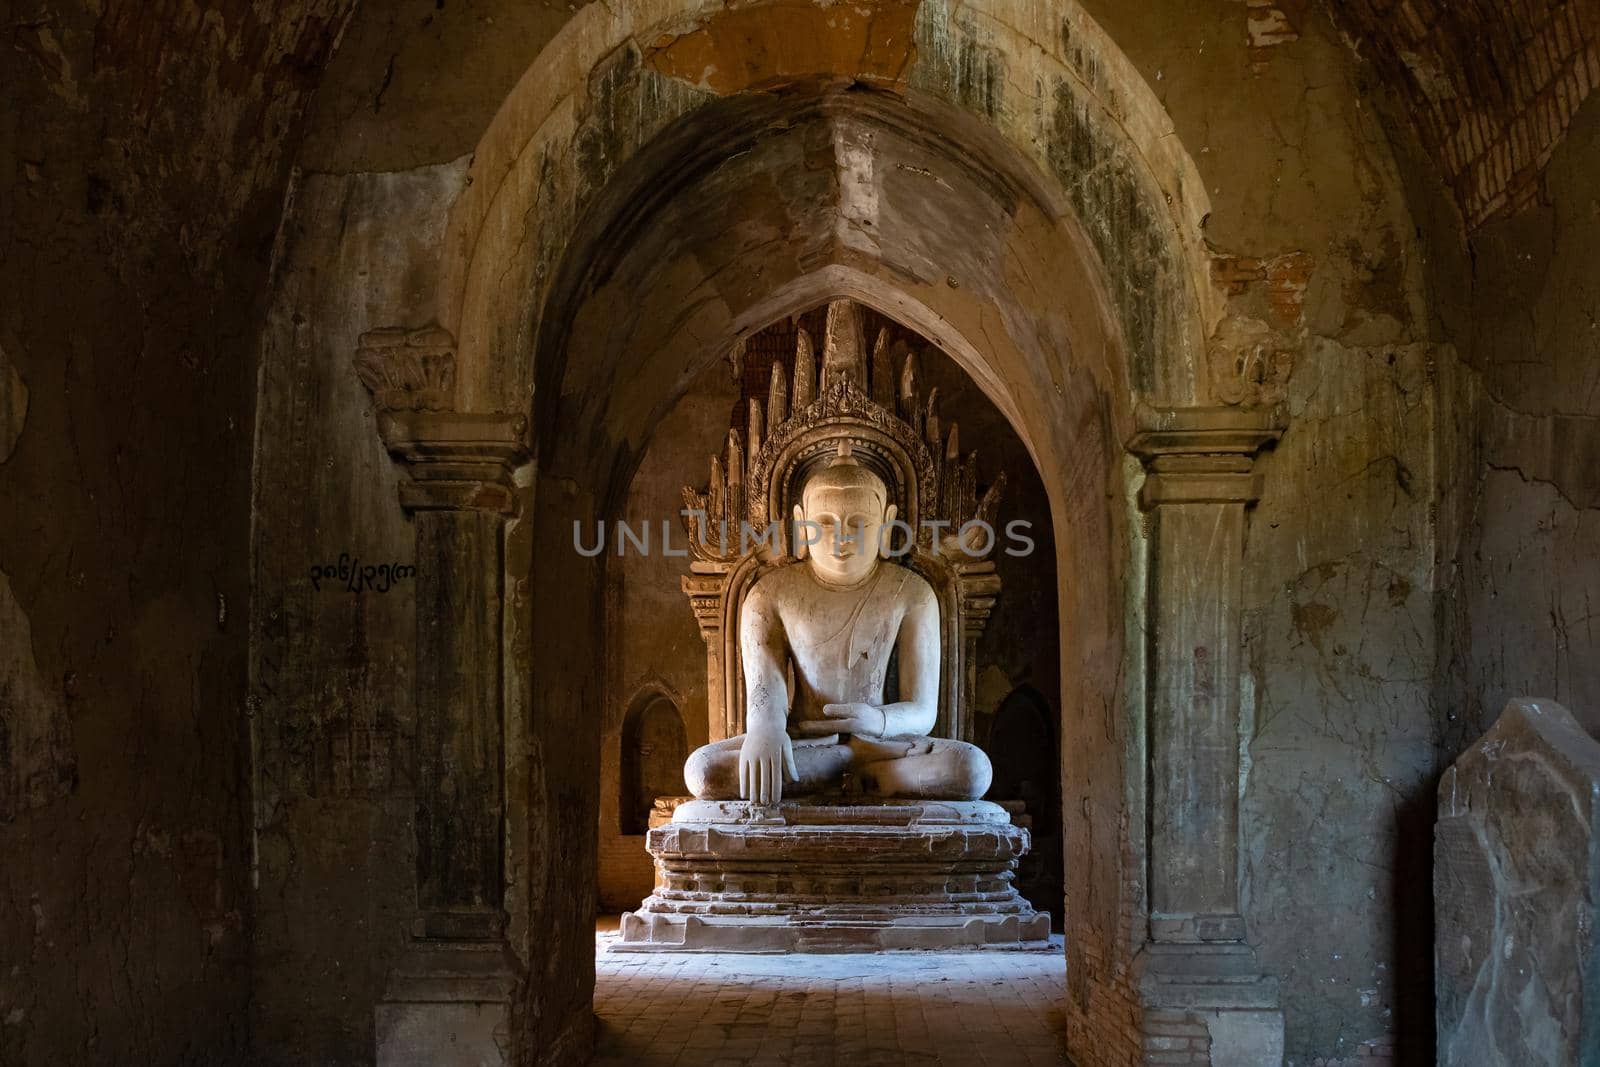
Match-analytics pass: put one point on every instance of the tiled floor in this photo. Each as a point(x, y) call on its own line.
point(722, 1010)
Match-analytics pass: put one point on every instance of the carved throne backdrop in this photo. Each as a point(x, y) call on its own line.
point(879, 406)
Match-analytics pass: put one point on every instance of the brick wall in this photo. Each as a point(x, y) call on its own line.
point(626, 873)
point(1103, 1013)
point(1491, 87)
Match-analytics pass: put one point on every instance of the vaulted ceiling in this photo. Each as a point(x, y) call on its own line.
point(172, 115)
point(220, 88)
point(1491, 85)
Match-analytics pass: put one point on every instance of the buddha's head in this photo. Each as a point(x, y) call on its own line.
point(842, 512)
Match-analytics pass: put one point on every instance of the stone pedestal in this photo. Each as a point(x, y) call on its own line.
point(447, 1003)
point(835, 876)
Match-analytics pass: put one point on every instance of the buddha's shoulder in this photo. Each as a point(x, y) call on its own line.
point(912, 585)
point(778, 583)
point(780, 580)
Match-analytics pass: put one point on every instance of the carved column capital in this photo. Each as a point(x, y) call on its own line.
point(456, 460)
point(705, 598)
point(408, 370)
point(1202, 455)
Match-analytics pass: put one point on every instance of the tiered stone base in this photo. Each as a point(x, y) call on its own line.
point(820, 876)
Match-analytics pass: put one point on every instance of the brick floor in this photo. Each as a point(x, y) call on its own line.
point(723, 1010)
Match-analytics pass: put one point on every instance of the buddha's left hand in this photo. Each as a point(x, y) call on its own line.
point(864, 720)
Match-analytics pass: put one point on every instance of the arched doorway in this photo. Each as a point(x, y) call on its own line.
point(621, 370)
point(654, 748)
point(609, 276)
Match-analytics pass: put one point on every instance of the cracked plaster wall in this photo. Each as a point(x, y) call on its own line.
point(332, 670)
point(1516, 567)
point(1317, 251)
point(1519, 583)
point(1528, 598)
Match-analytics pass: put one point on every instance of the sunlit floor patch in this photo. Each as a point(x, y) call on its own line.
point(963, 1008)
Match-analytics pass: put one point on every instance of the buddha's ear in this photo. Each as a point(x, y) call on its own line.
point(886, 532)
point(801, 549)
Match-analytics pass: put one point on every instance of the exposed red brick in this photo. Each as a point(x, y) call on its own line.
point(1491, 88)
point(1285, 279)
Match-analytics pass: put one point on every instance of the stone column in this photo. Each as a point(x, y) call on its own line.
point(459, 495)
point(977, 587)
point(704, 590)
point(450, 995)
point(1197, 968)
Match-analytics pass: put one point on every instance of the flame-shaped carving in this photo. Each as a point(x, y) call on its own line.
point(754, 431)
point(843, 358)
point(805, 373)
point(735, 474)
point(778, 395)
point(883, 382)
point(848, 396)
point(876, 406)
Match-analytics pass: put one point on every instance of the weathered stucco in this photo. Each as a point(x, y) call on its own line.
point(1531, 574)
point(332, 667)
point(143, 155)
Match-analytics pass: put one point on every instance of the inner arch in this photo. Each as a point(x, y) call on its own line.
point(851, 194)
point(688, 251)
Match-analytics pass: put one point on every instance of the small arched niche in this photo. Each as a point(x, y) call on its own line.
point(654, 748)
point(1023, 745)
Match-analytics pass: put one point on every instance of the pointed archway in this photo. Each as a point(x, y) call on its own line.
point(616, 239)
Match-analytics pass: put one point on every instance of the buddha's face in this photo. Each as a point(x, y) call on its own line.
point(847, 519)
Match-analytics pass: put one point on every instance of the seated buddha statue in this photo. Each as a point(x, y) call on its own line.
point(836, 618)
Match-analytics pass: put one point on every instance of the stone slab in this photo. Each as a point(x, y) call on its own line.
point(1245, 1038)
point(1516, 883)
point(840, 812)
point(645, 932)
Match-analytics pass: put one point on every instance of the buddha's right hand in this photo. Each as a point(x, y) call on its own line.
point(765, 759)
